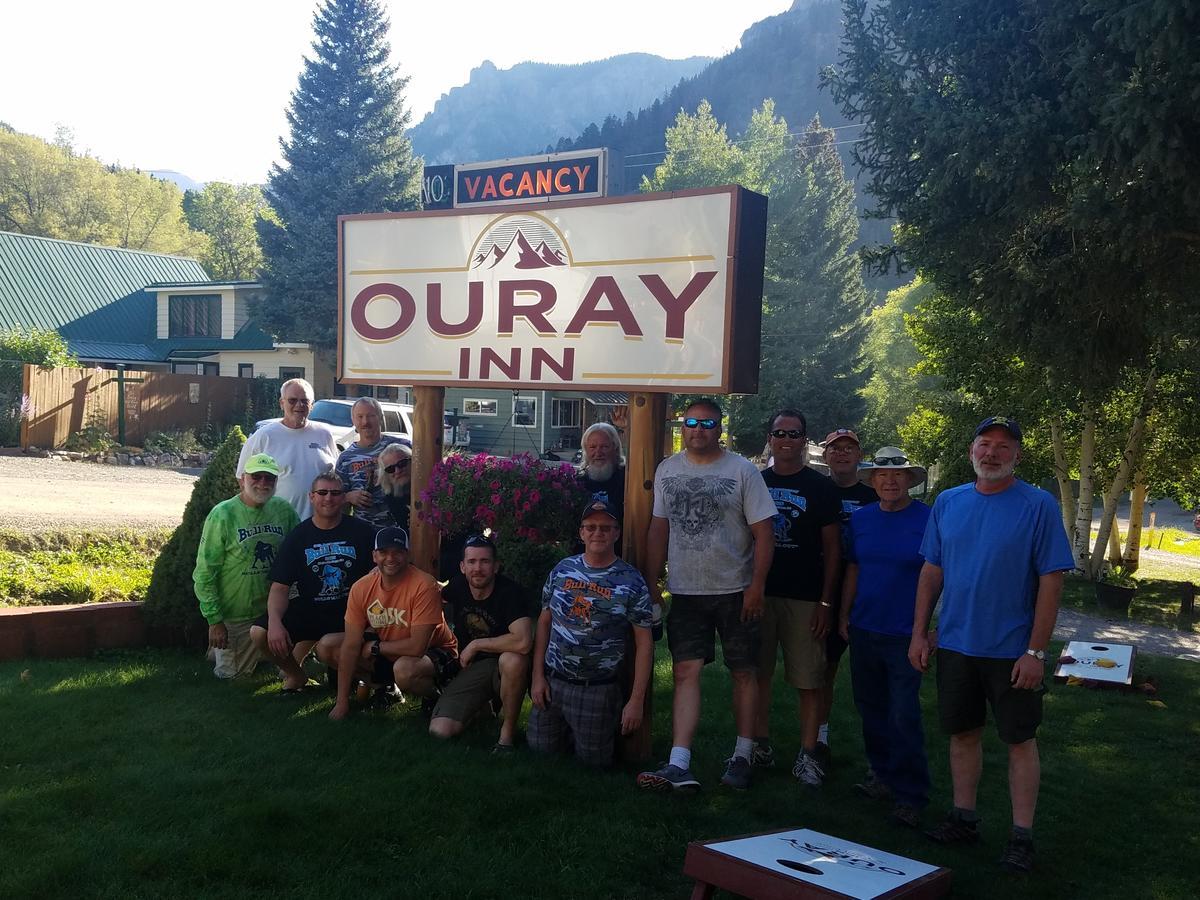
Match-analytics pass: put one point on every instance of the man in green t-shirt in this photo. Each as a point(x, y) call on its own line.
point(237, 547)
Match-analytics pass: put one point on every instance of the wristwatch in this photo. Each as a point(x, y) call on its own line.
point(375, 649)
point(1039, 655)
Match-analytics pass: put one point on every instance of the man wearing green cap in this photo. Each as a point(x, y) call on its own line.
point(241, 536)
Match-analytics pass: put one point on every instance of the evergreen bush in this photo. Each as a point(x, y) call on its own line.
point(171, 600)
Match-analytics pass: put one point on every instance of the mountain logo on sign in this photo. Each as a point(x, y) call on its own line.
point(524, 242)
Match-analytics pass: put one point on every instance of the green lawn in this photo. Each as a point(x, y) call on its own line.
point(139, 775)
point(1156, 602)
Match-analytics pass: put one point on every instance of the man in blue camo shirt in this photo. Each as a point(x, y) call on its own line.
point(588, 604)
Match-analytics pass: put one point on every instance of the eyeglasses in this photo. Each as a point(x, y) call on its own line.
point(325, 492)
point(890, 460)
point(706, 424)
point(262, 476)
point(793, 433)
point(298, 401)
point(841, 448)
point(403, 464)
point(603, 529)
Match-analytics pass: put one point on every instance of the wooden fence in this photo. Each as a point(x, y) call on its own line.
point(66, 400)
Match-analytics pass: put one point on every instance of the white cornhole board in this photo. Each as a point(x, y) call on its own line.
point(1088, 653)
point(842, 867)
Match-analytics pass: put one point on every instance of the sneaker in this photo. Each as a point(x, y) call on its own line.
point(737, 773)
point(386, 697)
point(873, 789)
point(763, 756)
point(904, 815)
point(667, 778)
point(823, 755)
point(808, 770)
point(953, 830)
point(503, 749)
point(1018, 855)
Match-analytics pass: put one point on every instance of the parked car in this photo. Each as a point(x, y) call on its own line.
point(397, 422)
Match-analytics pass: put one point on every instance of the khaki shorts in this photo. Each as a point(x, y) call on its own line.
point(469, 690)
point(785, 623)
point(240, 656)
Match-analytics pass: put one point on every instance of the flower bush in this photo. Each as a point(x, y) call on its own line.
point(530, 508)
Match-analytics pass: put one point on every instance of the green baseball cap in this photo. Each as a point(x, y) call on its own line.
point(262, 462)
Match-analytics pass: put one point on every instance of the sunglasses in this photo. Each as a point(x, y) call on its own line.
point(890, 460)
point(325, 492)
point(298, 401)
point(603, 529)
point(403, 464)
point(706, 424)
point(793, 433)
point(262, 476)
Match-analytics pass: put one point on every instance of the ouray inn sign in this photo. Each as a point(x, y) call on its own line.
point(658, 292)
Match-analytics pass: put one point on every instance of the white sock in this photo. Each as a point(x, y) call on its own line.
point(681, 758)
point(743, 747)
point(823, 734)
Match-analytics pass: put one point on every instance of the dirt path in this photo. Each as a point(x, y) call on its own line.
point(53, 494)
point(1154, 639)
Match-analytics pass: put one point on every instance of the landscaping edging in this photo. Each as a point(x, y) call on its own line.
point(54, 632)
point(123, 457)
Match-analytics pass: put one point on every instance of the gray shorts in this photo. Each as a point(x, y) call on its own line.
point(584, 717)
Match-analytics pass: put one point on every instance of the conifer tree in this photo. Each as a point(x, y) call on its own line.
point(347, 153)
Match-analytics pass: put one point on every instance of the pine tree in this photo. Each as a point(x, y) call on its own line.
point(347, 154)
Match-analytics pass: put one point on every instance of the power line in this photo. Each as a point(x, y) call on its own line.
point(692, 156)
point(820, 130)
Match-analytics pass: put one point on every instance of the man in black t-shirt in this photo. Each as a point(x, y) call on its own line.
point(843, 454)
point(491, 617)
point(799, 594)
point(321, 557)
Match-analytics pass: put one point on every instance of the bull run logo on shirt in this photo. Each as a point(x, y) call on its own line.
point(381, 616)
point(331, 563)
point(790, 505)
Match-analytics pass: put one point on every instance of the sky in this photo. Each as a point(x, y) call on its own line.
point(202, 87)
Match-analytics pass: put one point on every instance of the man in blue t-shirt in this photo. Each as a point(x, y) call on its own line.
point(996, 551)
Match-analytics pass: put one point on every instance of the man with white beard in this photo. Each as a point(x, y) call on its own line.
point(996, 551)
point(395, 480)
point(602, 473)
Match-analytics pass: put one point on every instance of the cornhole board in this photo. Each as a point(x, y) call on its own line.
point(800, 863)
point(1088, 655)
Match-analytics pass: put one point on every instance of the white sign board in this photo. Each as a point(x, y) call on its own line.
point(847, 868)
point(1098, 661)
point(621, 293)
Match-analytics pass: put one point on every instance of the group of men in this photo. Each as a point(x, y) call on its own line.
point(752, 557)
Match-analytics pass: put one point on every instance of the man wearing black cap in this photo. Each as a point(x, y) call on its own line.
point(588, 604)
point(408, 642)
point(996, 551)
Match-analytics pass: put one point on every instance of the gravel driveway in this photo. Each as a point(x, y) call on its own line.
point(53, 494)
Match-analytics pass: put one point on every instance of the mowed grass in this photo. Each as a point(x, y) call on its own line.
point(1158, 599)
point(76, 567)
point(140, 775)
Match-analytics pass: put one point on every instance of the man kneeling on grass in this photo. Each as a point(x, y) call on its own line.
point(409, 642)
point(323, 556)
point(495, 634)
point(236, 551)
point(588, 604)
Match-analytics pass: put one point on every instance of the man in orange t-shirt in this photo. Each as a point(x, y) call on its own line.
point(408, 640)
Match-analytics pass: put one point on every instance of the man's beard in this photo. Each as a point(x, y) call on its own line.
point(1005, 471)
point(398, 488)
point(601, 471)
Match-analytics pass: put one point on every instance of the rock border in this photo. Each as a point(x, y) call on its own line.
point(127, 456)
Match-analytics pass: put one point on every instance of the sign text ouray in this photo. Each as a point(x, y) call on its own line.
point(604, 302)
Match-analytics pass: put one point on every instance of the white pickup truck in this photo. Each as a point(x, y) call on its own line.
point(397, 422)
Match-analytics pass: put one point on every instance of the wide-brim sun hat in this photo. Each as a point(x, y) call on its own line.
point(892, 458)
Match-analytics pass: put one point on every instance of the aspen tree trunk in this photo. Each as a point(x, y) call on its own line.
point(1063, 475)
point(1082, 532)
point(1131, 455)
point(1114, 545)
point(1133, 540)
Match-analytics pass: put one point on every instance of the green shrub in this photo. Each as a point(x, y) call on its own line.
point(171, 600)
point(74, 568)
point(179, 442)
point(94, 437)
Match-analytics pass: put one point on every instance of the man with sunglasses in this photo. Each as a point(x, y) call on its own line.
point(843, 455)
point(490, 614)
point(322, 557)
point(358, 464)
point(589, 603)
point(302, 449)
point(995, 551)
point(712, 525)
point(800, 586)
point(237, 548)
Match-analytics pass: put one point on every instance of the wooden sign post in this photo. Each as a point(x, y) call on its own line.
point(428, 409)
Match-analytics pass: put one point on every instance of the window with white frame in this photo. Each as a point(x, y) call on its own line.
point(525, 412)
point(479, 408)
point(565, 413)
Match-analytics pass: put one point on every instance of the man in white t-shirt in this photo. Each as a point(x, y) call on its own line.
point(303, 449)
point(712, 523)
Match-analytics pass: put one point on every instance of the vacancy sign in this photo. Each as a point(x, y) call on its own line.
point(659, 292)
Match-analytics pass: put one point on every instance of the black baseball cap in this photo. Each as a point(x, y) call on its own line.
point(391, 537)
point(1008, 423)
point(599, 507)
